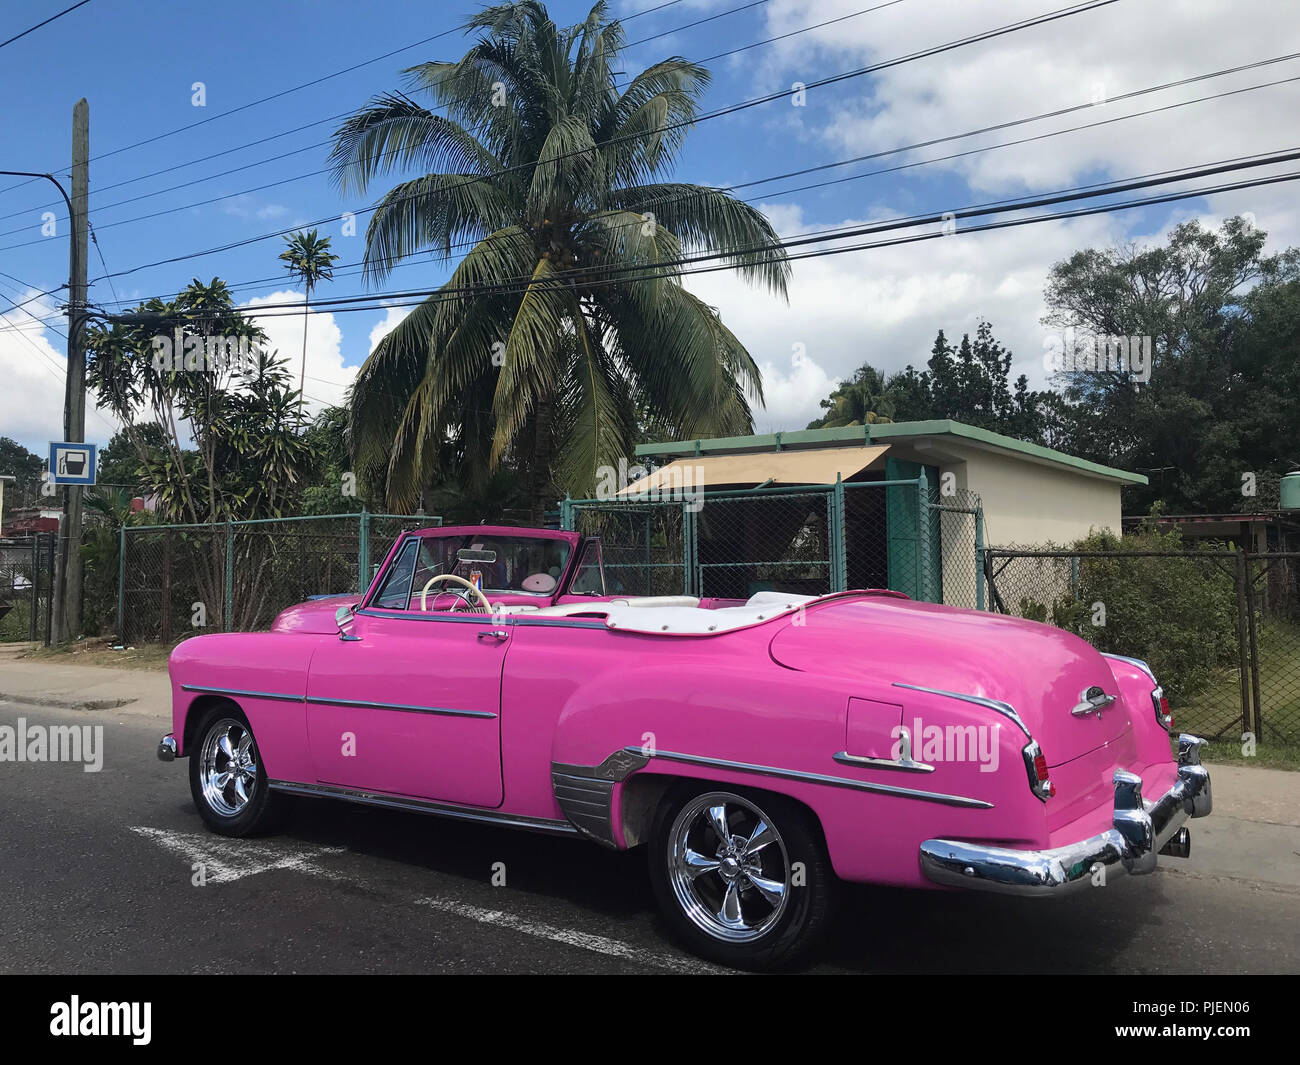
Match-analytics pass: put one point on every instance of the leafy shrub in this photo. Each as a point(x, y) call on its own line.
point(1179, 614)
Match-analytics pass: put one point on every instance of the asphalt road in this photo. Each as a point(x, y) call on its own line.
point(97, 875)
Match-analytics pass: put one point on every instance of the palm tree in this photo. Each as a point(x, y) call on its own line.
point(308, 258)
point(553, 177)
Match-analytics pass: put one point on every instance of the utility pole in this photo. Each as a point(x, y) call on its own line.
point(68, 573)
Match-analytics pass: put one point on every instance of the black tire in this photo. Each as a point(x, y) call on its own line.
point(221, 809)
point(777, 935)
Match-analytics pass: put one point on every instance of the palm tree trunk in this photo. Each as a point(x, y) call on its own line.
point(302, 375)
point(542, 490)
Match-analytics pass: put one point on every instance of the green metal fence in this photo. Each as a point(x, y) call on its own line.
point(235, 576)
point(899, 533)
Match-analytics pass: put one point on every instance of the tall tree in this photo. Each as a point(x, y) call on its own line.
point(544, 347)
point(1218, 401)
point(25, 469)
point(308, 258)
point(969, 383)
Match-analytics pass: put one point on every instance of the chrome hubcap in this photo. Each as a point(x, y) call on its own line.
point(728, 867)
point(228, 767)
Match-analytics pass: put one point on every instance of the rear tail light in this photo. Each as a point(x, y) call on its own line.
point(1163, 714)
point(1036, 767)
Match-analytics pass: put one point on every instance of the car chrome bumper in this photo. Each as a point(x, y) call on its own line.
point(1141, 831)
point(167, 748)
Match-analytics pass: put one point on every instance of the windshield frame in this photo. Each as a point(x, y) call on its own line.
point(573, 543)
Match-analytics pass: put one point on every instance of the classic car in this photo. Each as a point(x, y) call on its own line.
point(761, 750)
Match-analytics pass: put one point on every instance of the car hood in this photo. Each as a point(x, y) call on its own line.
point(315, 615)
point(1039, 670)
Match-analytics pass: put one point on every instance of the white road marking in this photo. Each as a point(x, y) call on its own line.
point(226, 860)
point(583, 940)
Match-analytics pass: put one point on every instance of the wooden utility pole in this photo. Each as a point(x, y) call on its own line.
point(68, 578)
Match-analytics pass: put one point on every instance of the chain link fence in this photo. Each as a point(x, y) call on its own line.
point(178, 580)
point(643, 544)
point(906, 535)
point(1220, 628)
point(26, 577)
point(1273, 616)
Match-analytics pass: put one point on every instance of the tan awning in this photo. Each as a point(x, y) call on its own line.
point(815, 466)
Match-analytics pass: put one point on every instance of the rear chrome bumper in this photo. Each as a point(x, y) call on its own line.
point(167, 748)
point(1141, 831)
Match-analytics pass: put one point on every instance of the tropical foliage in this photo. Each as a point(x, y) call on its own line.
point(216, 438)
point(558, 331)
point(308, 258)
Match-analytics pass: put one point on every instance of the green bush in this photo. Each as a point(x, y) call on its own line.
point(1179, 614)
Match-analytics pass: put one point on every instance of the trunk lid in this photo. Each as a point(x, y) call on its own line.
point(1042, 672)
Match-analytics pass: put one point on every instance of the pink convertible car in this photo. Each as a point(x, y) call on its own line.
point(761, 750)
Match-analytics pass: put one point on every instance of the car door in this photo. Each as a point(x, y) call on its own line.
point(409, 704)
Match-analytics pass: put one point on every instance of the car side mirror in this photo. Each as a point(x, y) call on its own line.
point(341, 616)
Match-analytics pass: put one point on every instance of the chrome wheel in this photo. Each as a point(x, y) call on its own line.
point(228, 767)
point(728, 867)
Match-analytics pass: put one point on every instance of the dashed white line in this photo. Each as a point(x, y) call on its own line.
point(226, 860)
point(584, 940)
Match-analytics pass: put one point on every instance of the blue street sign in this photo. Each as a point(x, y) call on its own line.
point(72, 463)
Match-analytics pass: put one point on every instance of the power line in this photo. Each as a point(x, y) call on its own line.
point(394, 151)
point(729, 110)
point(892, 151)
point(33, 29)
point(283, 93)
point(590, 277)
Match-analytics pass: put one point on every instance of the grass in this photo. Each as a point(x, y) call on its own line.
point(99, 652)
point(1217, 709)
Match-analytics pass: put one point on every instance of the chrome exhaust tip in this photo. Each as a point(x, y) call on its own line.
point(1179, 845)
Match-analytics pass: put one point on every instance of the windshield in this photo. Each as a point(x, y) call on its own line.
point(517, 565)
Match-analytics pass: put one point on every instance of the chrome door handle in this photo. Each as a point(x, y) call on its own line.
point(495, 634)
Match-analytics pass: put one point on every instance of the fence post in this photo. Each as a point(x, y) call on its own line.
point(228, 608)
point(363, 553)
point(35, 581)
point(1244, 658)
point(839, 556)
point(52, 542)
point(1253, 633)
point(566, 513)
point(688, 551)
point(923, 537)
point(979, 558)
point(121, 584)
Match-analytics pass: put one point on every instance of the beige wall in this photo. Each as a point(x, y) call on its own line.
point(1032, 504)
point(1025, 504)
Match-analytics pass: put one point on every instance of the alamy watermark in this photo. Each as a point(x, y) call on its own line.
point(184, 353)
point(682, 483)
point(53, 743)
point(1074, 351)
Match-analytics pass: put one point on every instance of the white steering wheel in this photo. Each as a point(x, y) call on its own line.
point(455, 578)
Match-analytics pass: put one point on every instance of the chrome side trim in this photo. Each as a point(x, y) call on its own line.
point(361, 704)
point(279, 696)
point(844, 758)
point(424, 806)
point(1005, 709)
point(1140, 831)
point(1132, 662)
point(818, 778)
point(586, 793)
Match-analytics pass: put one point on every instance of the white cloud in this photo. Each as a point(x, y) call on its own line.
point(393, 317)
point(327, 376)
point(33, 367)
point(885, 305)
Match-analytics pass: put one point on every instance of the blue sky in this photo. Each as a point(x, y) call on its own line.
point(136, 61)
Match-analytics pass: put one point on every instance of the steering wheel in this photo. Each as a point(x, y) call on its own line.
point(475, 592)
